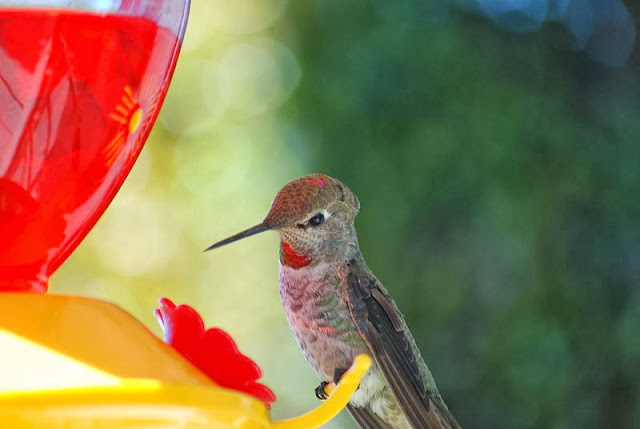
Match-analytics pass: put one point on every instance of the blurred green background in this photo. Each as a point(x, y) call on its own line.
point(496, 155)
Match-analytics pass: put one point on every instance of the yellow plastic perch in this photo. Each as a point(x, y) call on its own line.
point(69, 361)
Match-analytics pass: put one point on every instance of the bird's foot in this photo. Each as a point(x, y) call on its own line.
point(324, 390)
point(338, 373)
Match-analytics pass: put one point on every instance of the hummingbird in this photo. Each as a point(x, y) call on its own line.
point(337, 308)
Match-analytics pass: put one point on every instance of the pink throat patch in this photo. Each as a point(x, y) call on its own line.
point(292, 259)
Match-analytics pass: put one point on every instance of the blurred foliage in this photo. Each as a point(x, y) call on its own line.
point(498, 174)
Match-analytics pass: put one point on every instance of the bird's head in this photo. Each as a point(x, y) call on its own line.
point(314, 216)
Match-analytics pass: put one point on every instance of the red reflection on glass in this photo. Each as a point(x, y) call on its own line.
point(79, 93)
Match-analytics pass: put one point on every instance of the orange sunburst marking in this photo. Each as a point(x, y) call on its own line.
point(151, 95)
point(127, 112)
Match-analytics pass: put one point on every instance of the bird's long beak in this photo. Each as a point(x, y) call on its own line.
point(261, 227)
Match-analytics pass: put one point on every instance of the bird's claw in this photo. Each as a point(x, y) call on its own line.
point(326, 387)
point(324, 390)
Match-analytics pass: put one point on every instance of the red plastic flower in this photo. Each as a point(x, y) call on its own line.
point(212, 351)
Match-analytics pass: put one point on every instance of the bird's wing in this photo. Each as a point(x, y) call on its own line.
point(366, 419)
point(395, 353)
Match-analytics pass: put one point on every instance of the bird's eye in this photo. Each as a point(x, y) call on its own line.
point(316, 220)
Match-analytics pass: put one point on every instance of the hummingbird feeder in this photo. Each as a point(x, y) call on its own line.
point(81, 84)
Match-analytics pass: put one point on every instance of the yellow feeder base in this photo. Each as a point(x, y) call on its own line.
point(70, 361)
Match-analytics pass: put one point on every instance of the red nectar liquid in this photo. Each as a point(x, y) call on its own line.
point(79, 93)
